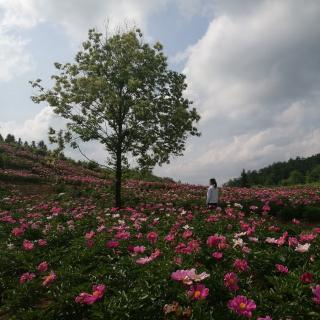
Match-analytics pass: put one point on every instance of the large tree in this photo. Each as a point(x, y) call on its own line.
point(120, 92)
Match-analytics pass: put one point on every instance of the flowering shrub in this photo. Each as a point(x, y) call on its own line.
point(166, 257)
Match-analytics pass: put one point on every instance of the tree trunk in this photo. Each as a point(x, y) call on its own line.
point(118, 179)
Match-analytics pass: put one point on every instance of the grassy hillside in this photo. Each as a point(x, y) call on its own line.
point(35, 164)
point(67, 253)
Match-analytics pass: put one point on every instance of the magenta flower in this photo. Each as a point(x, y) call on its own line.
point(112, 244)
point(152, 237)
point(42, 243)
point(241, 305)
point(27, 276)
point(241, 265)
point(307, 237)
point(187, 234)
point(27, 245)
point(198, 292)
point(169, 237)
point(17, 232)
point(281, 268)
point(316, 293)
point(306, 277)
point(188, 276)
point(231, 281)
point(90, 235)
point(217, 255)
point(86, 298)
point(215, 240)
point(123, 235)
point(43, 266)
point(139, 249)
point(144, 260)
point(293, 242)
point(183, 275)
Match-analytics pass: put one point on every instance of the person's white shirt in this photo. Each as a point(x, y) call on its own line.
point(212, 195)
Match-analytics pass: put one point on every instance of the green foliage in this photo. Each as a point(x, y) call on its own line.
point(10, 138)
point(295, 177)
point(314, 174)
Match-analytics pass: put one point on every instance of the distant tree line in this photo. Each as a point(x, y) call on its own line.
point(40, 146)
point(294, 171)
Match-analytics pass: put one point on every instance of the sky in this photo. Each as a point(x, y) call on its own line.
point(252, 69)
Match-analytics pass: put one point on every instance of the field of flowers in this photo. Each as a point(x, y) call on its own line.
point(71, 255)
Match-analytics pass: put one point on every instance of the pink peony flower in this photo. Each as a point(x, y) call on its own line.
point(241, 265)
point(316, 293)
point(17, 232)
point(245, 249)
point(28, 245)
point(198, 292)
point(306, 277)
point(152, 237)
point(281, 268)
point(27, 276)
point(188, 276)
point(42, 243)
point(293, 242)
point(169, 237)
point(112, 244)
point(123, 235)
point(217, 255)
point(47, 280)
point(139, 249)
point(266, 208)
point(242, 306)
point(231, 281)
point(86, 298)
point(316, 230)
point(215, 240)
point(187, 234)
point(90, 235)
point(43, 266)
point(155, 254)
point(308, 237)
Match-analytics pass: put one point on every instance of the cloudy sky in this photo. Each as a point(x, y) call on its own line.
point(252, 67)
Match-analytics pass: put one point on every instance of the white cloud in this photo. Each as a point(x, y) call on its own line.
point(31, 129)
point(19, 13)
point(254, 77)
point(14, 61)
point(77, 16)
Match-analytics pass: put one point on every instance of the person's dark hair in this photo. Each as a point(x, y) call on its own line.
point(213, 182)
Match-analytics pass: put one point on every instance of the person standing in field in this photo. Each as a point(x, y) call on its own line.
point(212, 194)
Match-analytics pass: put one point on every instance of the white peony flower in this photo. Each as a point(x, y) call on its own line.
point(301, 248)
